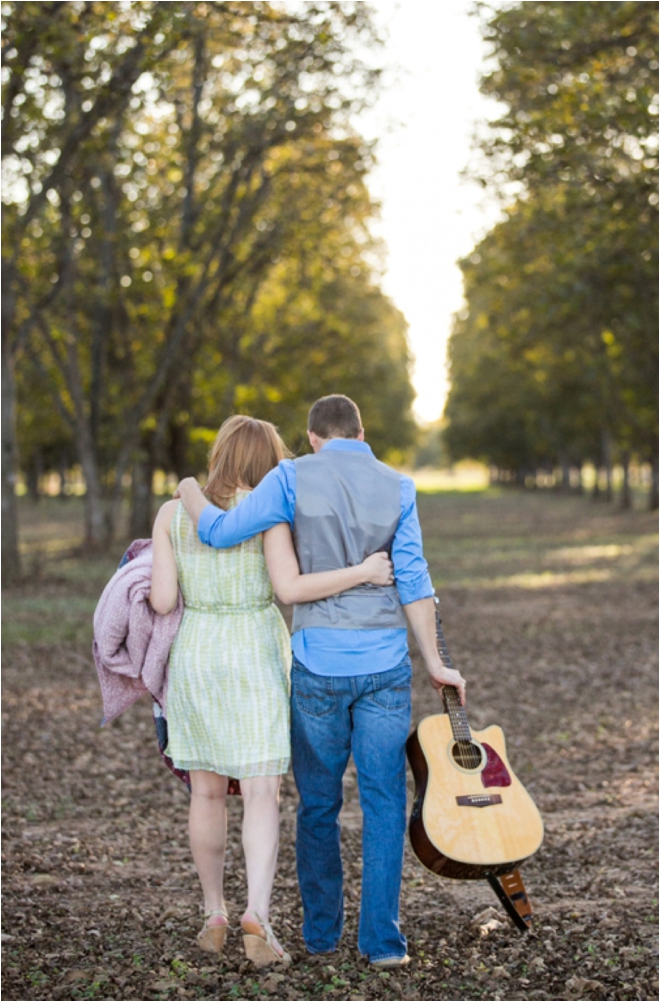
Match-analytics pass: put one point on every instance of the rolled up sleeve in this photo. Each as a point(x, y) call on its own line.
point(411, 572)
point(273, 501)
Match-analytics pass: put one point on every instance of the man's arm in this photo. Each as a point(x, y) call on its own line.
point(411, 572)
point(421, 616)
point(415, 589)
point(271, 502)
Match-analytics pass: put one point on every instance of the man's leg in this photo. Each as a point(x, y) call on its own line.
point(381, 721)
point(320, 744)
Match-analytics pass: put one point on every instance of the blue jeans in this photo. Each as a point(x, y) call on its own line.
point(368, 715)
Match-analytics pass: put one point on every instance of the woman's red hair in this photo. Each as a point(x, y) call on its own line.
point(244, 451)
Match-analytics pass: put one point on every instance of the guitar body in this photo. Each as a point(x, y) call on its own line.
point(471, 815)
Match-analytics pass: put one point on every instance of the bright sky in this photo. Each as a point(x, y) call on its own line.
point(430, 216)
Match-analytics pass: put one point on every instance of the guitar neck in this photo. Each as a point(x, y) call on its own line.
point(457, 717)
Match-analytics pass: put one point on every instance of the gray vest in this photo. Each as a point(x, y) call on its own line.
point(348, 506)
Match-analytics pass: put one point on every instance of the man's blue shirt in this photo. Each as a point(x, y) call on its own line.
point(330, 651)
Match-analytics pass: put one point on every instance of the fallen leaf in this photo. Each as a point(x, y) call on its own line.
point(490, 926)
point(271, 983)
point(577, 986)
point(162, 986)
point(485, 915)
point(41, 879)
point(77, 975)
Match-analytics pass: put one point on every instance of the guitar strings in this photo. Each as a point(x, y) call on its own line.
point(465, 752)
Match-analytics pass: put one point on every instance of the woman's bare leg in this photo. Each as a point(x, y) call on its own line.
point(261, 837)
point(208, 835)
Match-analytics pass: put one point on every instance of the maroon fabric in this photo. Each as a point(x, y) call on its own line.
point(494, 773)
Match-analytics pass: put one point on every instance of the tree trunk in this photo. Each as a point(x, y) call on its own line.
point(32, 474)
point(177, 456)
point(11, 564)
point(653, 492)
point(141, 496)
point(62, 469)
point(606, 443)
point(626, 500)
point(98, 524)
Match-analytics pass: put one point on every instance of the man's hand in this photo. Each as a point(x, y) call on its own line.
point(441, 676)
point(421, 616)
point(192, 497)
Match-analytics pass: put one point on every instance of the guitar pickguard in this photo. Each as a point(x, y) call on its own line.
point(494, 773)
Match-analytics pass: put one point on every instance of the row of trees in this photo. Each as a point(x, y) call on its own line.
point(185, 236)
point(554, 359)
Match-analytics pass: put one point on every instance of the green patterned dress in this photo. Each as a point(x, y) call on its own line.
point(228, 685)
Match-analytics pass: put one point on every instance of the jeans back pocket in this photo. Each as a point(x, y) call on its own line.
point(393, 689)
point(312, 694)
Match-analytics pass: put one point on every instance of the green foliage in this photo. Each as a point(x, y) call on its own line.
point(555, 353)
point(186, 230)
point(578, 87)
point(430, 449)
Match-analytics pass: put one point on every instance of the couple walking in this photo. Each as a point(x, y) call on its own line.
point(350, 681)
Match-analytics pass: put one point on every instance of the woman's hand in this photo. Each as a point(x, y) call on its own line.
point(378, 570)
point(192, 497)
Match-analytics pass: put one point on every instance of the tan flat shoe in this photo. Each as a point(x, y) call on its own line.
point(260, 944)
point(212, 937)
point(390, 963)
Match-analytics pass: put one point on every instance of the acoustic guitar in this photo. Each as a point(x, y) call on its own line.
point(471, 817)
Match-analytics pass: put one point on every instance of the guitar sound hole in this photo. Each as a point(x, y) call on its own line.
point(467, 754)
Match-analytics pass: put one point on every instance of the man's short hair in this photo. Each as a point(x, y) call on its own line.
point(335, 416)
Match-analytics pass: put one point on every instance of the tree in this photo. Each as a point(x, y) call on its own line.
point(59, 86)
point(556, 352)
point(317, 324)
point(171, 207)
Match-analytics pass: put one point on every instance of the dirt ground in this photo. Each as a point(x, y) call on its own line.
point(550, 610)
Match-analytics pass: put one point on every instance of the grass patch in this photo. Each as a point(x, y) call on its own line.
point(474, 536)
point(506, 538)
point(48, 619)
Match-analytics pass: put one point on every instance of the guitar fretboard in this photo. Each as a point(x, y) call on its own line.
point(457, 718)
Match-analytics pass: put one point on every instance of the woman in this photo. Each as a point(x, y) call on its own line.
point(227, 702)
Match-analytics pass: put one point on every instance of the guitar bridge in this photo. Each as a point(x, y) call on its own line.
point(479, 800)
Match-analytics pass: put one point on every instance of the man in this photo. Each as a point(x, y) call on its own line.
point(351, 677)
